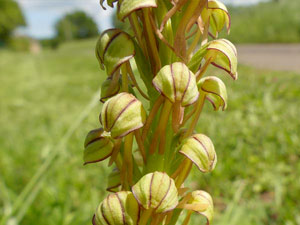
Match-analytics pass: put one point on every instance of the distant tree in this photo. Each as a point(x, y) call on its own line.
point(11, 17)
point(76, 25)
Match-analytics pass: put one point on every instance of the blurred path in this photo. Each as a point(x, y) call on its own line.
point(283, 57)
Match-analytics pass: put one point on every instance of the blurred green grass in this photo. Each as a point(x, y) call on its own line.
point(256, 180)
point(266, 22)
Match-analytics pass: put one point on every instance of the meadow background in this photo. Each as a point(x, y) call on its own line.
point(49, 101)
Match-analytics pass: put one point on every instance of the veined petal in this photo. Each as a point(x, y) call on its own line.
point(97, 147)
point(215, 91)
point(114, 48)
point(122, 114)
point(200, 150)
point(126, 7)
point(119, 208)
point(156, 191)
point(177, 83)
point(223, 55)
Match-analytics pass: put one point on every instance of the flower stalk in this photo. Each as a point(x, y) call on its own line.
point(152, 140)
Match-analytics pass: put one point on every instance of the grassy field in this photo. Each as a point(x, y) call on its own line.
point(270, 22)
point(49, 103)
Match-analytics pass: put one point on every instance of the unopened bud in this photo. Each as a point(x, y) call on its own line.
point(120, 208)
point(200, 150)
point(97, 147)
point(156, 191)
point(122, 114)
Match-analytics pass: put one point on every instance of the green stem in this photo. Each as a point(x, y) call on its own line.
point(145, 217)
point(133, 19)
point(194, 44)
point(203, 69)
point(152, 41)
point(184, 173)
point(151, 116)
point(130, 72)
point(124, 78)
point(128, 161)
point(197, 115)
point(187, 218)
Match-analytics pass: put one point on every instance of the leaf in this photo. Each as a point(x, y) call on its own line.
point(196, 60)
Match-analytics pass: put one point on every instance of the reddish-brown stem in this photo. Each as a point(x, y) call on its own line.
point(151, 116)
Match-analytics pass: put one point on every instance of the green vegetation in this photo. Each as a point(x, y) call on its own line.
point(76, 25)
point(10, 18)
point(255, 182)
point(276, 21)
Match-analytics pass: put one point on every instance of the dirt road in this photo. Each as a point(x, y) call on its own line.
point(282, 57)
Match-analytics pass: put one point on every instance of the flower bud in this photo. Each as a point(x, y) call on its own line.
point(97, 146)
point(113, 181)
point(202, 198)
point(128, 6)
point(218, 16)
point(215, 91)
point(122, 114)
point(120, 208)
point(200, 150)
point(156, 191)
point(223, 55)
point(109, 89)
point(177, 83)
point(114, 48)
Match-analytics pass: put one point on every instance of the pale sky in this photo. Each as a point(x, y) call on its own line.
point(41, 15)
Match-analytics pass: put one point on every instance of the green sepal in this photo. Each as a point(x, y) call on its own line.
point(126, 7)
point(177, 83)
point(215, 91)
point(114, 48)
point(97, 147)
point(200, 150)
point(203, 198)
point(224, 56)
point(113, 181)
point(120, 208)
point(122, 114)
point(108, 89)
point(218, 16)
point(156, 191)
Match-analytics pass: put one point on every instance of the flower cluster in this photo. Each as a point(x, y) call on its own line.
point(148, 136)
